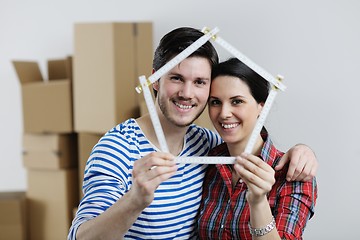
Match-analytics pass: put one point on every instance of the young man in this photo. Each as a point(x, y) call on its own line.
point(131, 189)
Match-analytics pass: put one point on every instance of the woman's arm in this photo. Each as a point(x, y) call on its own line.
point(259, 178)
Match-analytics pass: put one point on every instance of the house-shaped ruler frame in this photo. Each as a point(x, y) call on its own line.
point(208, 35)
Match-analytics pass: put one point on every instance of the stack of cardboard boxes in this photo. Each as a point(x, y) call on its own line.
point(49, 147)
point(64, 117)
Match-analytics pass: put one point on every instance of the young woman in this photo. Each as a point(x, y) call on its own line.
point(248, 200)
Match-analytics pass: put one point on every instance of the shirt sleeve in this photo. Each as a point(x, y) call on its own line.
point(105, 181)
point(295, 206)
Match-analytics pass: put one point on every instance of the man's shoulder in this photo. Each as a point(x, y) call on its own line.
point(125, 137)
point(127, 127)
point(127, 131)
point(202, 130)
point(208, 137)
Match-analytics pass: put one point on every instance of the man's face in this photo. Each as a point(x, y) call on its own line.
point(184, 90)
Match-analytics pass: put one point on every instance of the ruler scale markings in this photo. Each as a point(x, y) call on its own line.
point(154, 117)
point(205, 160)
point(260, 121)
point(145, 83)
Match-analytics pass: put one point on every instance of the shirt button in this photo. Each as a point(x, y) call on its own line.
point(241, 181)
point(222, 225)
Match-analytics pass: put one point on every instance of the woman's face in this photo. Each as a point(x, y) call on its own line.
point(232, 109)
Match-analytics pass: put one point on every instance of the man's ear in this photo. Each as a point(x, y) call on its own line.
point(155, 85)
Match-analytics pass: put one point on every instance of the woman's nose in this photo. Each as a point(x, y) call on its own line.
point(225, 111)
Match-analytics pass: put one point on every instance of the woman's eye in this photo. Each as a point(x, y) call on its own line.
point(237, 101)
point(214, 102)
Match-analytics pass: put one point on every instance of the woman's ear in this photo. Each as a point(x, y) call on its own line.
point(260, 107)
point(156, 85)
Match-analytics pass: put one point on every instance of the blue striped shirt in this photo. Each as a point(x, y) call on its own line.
point(108, 176)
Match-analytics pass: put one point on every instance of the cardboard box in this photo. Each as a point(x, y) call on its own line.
point(13, 216)
point(52, 196)
point(108, 59)
point(86, 142)
point(47, 105)
point(50, 151)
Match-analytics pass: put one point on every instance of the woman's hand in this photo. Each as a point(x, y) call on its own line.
point(257, 174)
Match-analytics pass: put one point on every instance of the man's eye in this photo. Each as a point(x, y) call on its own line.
point(200, 82)
point(175, 78)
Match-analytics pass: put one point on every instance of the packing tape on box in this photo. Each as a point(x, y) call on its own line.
point(208, 34)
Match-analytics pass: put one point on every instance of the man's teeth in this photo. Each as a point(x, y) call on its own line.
point(227, 126)
point(183, 106)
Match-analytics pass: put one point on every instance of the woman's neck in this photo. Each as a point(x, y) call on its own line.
point(238, 148)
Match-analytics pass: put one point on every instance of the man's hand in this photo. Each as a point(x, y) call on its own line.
point(148, 173)
point(303, 164)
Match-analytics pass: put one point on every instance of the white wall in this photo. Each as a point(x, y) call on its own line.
point(314, 44)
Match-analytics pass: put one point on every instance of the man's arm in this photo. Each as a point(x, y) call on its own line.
point(303, 163)
point(148, 173)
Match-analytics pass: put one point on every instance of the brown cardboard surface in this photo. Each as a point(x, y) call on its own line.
point(60, 69)
point(28, 71)
point(47, 106)
point(50, 151)
point(144, 54)
point(13, 216)
point(86, 142)
point(52, 196)
point(106, 58)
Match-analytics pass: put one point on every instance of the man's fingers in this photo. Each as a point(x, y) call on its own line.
point(307, 173)
point(154, 159)
point(282, 162)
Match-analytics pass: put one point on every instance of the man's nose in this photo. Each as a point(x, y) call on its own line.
point(187, 90)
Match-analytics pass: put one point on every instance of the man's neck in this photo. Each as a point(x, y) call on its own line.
point(174, 134)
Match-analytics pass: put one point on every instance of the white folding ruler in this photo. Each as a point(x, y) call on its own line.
point(145, 83)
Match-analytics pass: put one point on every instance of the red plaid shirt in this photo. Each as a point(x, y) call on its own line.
point(224, 212)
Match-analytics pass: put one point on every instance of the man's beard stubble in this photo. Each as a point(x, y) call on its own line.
point(170, 119)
